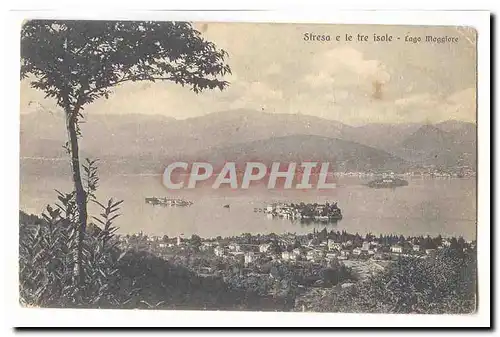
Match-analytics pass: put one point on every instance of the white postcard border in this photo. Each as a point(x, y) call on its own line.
point(18, 316)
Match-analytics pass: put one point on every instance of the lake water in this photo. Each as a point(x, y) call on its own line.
point(425, 206)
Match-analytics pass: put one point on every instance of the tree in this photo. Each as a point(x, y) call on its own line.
point(77, 62)
point(461, 243)
point(195, 241)
point(329, 276)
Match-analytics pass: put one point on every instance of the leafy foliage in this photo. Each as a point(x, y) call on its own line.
point(47, 261)
point(48, 256)
point(444, 284)
point(91, 179)
point(77, 62)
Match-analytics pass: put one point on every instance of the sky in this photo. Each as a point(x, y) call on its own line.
point(276, 71)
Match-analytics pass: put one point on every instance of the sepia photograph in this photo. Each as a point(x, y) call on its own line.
point(248, 166)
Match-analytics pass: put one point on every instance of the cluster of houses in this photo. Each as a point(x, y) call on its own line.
point(435, 172)
point(325, 251)
point(285, 248)
point(428, 171)
point(151, 243)
point(355, 174)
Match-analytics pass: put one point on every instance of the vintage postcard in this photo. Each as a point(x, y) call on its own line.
point(235, 166)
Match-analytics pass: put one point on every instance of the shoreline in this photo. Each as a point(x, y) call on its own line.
point(315, 226)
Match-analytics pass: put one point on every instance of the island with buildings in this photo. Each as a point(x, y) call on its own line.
point(168, 202)
point(387, 182)
point(302, 211)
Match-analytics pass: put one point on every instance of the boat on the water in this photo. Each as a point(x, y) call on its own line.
point(168, 202)
point(389, 182)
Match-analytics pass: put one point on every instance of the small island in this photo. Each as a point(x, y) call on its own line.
point(389, 182)
point(168, 202)
point(315, 212)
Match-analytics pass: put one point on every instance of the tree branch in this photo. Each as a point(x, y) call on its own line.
point(127, 79)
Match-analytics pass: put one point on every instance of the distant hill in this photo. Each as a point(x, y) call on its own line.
point(382, 136)
point(455, 125)
point(431, 145)
point(154, 135)
point(123, 135)
point(137, 142)
point(428, 138)
point(346, 155)
point(462, 131)
point(38, 148)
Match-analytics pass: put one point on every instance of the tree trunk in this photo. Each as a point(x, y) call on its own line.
point(80, 194)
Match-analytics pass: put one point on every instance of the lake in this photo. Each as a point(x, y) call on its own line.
point(425, 206)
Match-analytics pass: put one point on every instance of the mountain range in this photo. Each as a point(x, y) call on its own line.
point(139, 142)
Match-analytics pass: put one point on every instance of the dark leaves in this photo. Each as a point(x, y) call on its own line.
point(76, 62)
point(445, 284)
point(48, 254)
point(91, 178)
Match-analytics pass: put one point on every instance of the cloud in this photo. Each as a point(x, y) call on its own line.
point(412, 100)
point(460, 105)
point(350, 86)
point(255, 95)
point(273, 68)
point(345, 67)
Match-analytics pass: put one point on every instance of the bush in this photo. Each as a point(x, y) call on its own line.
point(445, 284)
point(48, 258)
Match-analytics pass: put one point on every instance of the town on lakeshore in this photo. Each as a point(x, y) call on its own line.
point(430, 171)
point(363, 255)
point(318, 246)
